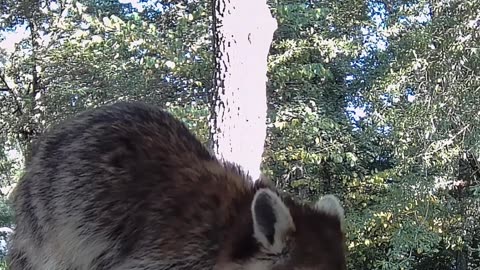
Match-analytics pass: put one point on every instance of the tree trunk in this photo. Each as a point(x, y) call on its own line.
point(243, 32)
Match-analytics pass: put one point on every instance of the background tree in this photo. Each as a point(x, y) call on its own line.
point(243, 32)
point(420, 93)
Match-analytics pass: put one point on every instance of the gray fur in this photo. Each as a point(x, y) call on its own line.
point(128, 187)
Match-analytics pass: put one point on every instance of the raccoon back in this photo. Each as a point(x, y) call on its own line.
point(123, 181)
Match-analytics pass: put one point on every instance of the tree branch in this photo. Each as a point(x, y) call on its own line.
point(10, 90)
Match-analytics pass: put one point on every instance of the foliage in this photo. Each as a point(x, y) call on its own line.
point(422, 94)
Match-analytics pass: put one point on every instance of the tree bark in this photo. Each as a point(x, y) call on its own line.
point(243, 33)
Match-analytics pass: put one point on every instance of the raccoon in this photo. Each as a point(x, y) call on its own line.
point(128, 187)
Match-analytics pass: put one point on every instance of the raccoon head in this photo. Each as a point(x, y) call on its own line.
point(293, 236)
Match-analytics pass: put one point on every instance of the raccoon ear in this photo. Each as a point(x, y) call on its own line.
point(330, 204)
point(271, 220)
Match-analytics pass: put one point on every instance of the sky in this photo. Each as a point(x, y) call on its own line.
point(135, 4)
point(11, 38)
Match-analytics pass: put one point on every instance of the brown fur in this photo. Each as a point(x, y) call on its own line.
point(127, 186)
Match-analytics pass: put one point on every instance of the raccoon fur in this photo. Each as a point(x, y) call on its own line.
point(128, 187)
